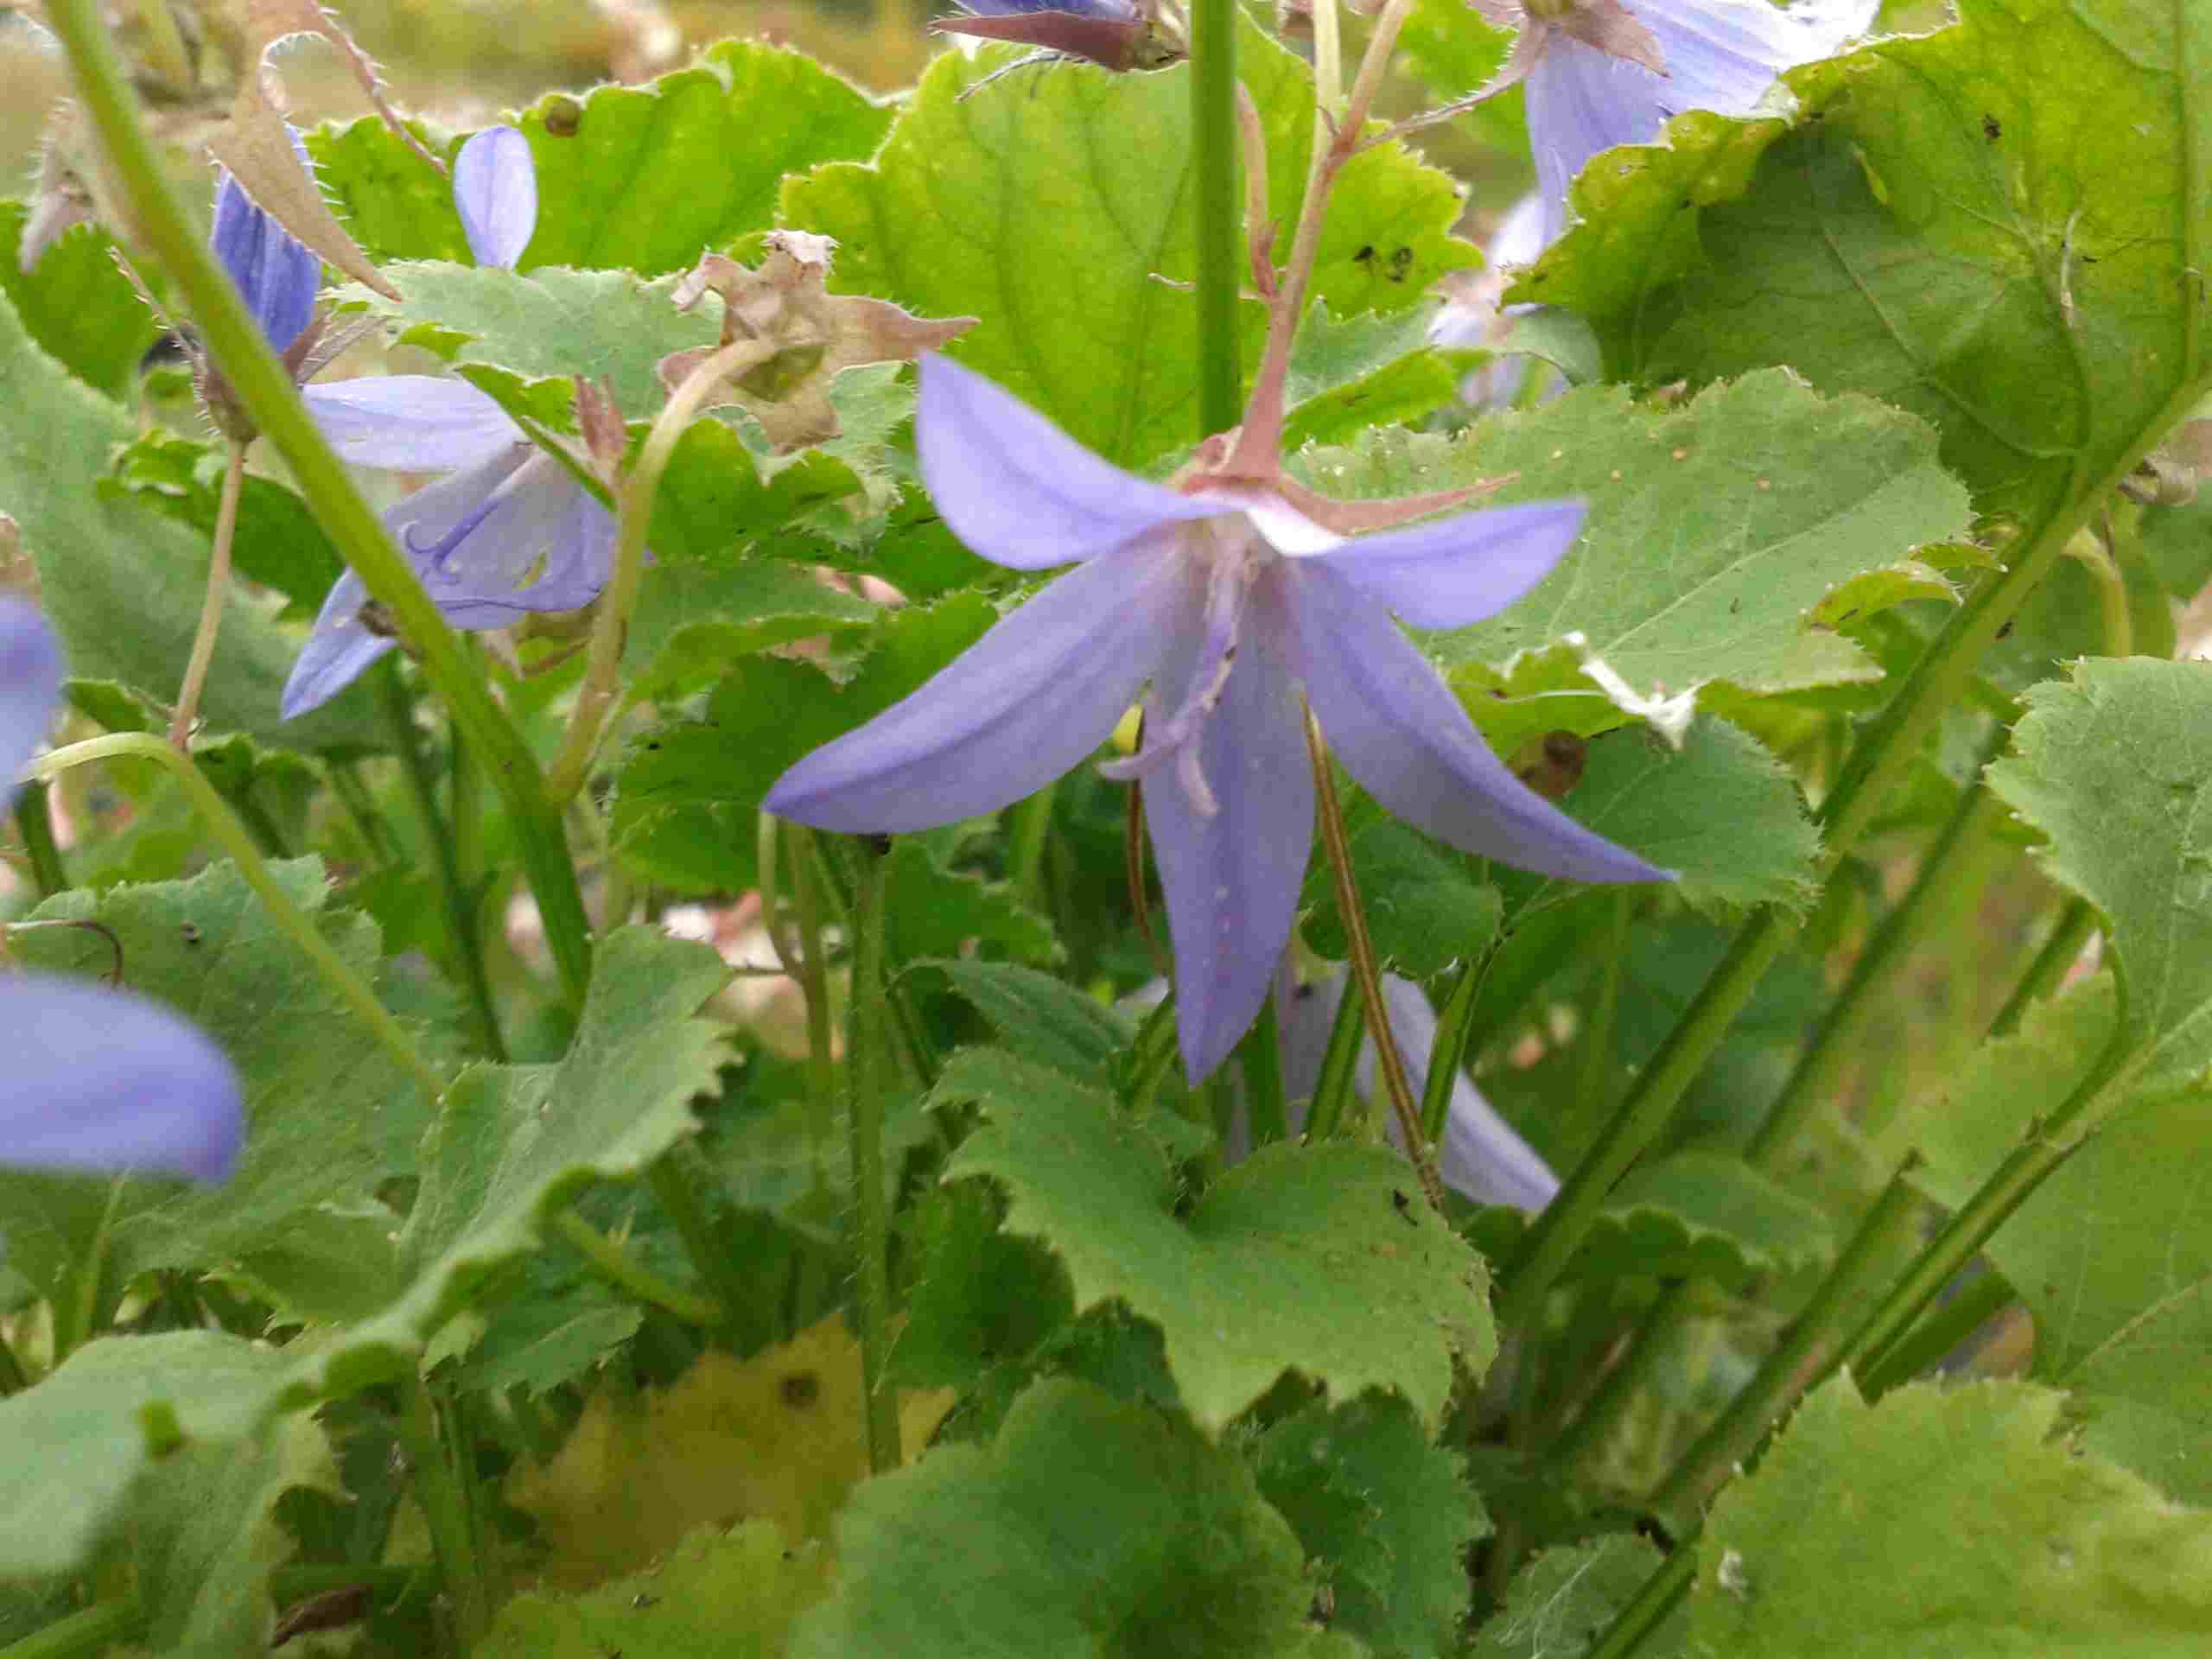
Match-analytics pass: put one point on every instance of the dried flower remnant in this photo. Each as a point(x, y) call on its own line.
point(96, 1079)
point(1227, 599)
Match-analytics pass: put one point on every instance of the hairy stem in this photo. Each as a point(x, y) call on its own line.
point(610, 627)
point(444, 1501)
point(1260, 1056)
point(211, 605)
point(1389, 1064)
point(223, 825)
point(864, 1120)
point(264, 385)
point(814, 985)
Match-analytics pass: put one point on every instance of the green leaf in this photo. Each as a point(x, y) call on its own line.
point(2112, 1253)
point(329, 1115)
point(1384, 1516)
point(931, 910)
point(986, 1297)
point(276, 542)
point(1452, 49)
point(83, 1440)
point(1425, 909)
point(1715, 526)
point(514, 1144)
point(76, 305)
point(2010, 1541)
point(1693, 1215)
point(2114, 765)
point(1561, 1602)
point(1299, 1259)
point(1362, 371)
point(555, 1327)
point(1044, 1019)
point(638, 178)
point(733, 1594)
point(122, 584)
point(2176, 543)
point(687, 790)
point(1934, 224)
point(1081, 325)
point(695, 621)
point(1089, 1529)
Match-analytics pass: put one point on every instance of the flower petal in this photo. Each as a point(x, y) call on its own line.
point(1581, 101)
point(1460, 569)
point(278, 277)
point(410, 422)
point(515, 534)
point(1231, 879)
point(98, 1079)
point(1019, 490)
point(30, 687)
point(495, 191)
point(1014, 711)
point(1398, 730)
point(338, 647)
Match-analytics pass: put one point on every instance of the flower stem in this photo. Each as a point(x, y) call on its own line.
point(1214, 157)
point(82, 1635)
point(1453, 1024)
point(616, 1265)
point(1974, 1304)
point(36, 825)
point(1644, 1616)
point(1596, 1081)
point(1387, 1063)
point(1340, 1066)
point(223, 825)
point(864, 1122)
point(444, 1503)
point(1030, 826)
point(2060, 951)
point(211, 604)
point(611, 628)
point(460, 911)
point(265, 387)
point(814, 985)
point(1884, 749)
point(1260, 1056)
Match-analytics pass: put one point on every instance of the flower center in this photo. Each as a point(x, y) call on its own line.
point(1231, 552)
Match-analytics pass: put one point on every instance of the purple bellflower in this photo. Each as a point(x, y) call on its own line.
point(1471, 318)
point(509, 529)
point(1603, 73)
point(1224, 601)
point(96, 1079)
point(277, 276)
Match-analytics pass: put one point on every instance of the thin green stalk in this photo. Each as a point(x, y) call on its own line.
point(1596, 1040)
point(264, 385)
point(1593, 1426)
point(1029, 826)
point(460, 908)
point(1881, 754)
point(619, 1267)
point(814, 985)
point(218, 588)
point(1660, 1593)
point(864, 1119)
point(1340, 1066)
point(1266, 1111)
point(369, 823)
point(610, 627)
point(1975, 1303)
point(1454, 1024)
point(671, 1176)
point(223, 825)
point(444, 1503)
point(838, 862)
point(1803, 1356)
point(2060, 951)
point(82, 1635)
point(36, 823)
point(1221, 266)
point(1389, 1066)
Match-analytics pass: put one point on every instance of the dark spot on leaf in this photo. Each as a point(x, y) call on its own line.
point(1991, 129)
point(641, 1601)
point(564, 117)
point(1365, 253)
point(2003, 631)
point(801, 1389)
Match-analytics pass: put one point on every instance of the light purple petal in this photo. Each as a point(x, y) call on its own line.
point(30, 687)
point(410, 422)
point(1398, 730)
point(1114, 11)
point(98, 1079)
point(277, 276)
point(1019, 490)
point(495, 191)
point(1460, 569)
point(338, 647)
point(1581, 101)
point(1231, 879)
point(1016, 710)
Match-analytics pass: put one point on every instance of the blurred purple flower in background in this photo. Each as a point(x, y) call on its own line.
point(1226, 604)
point(1602, 72)
point(96, 1079)
point(1113, 33)
point(1472, 320)
point(509, 529)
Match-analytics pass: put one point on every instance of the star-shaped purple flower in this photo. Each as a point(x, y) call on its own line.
point(1225, 602)
point(509, 530)
point(96, 1079)
point(1603, 73)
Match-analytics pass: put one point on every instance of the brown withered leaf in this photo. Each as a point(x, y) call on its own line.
point(267, 22)
point(815, 335)
point(255, 146)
